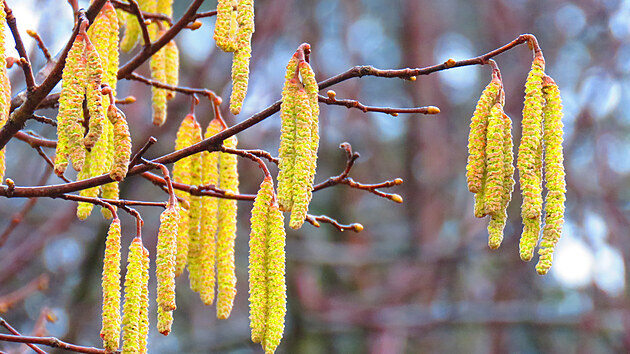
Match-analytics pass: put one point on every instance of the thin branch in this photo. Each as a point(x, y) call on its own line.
point(52, 342)
point(265, 155)
point(392, 111)
point(19, 45)
point(37, 284)
point(40, 44)
point(248, 155)
point(148, 15)
point(205, 14)
point(167, 179)
point(186, 90)
point(314, 220)
point(109, 203)
point(33, 140)
point(14, 331)
point(138, 155)
point(44, 120)
point(197, 190)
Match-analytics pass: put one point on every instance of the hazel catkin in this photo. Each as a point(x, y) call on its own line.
point(554, 175)
point(133, 298)
point(121, 143)
point(226, 233)
point(5, 90)
point(111, 321)
point(194, 214)
point(165, 258)
point(158, 73)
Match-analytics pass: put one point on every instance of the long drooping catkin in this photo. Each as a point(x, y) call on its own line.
point(554, 175)
point(143, 329)
point(110, 330)
point(132, 320)
point(70, 129)
point(181, 174)
point(226, 233)
point(5, 89)
point(121, 144)
point(165, 258)
point(195, 245)
point(94, 72)
point(242, 54)
point(225, 26)
point(171, 63)
point(475, 169)
point(531, 142)
point(495, 173)
point(288, 112)
point(158, 73)
point(267, 288)
point(209, 218)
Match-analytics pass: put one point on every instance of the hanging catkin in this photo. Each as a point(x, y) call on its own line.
point(5, 89)
point(94, 72)
point(226, 233)
point(299, 141)
point(133, 298)
point(495, 173)
point(171, 63)
point(158, 73)
point(133, 31)
point(195, 246)
point(554, 175)
point(70, 129)
point(225, 26)
point(530, 159)
point(182, 174)
point(143, 330)
point(209, 218)
point(475, 169)
point(267, 286)
point(110, 330)
point(165, 258)
point(242, 54)
point(121, 143)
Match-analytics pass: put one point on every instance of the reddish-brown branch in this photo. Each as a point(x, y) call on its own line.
point(40, 44)
point(393, 111)
point(35, 140)
point(197, 190)
point(265, 155)
point(316, 219)
point(135, 10)
point(138, 155)
point(148, 15)
point(14, 331)
point(52, 342)
point(205, 14)
point(248, 155)
point(37, 284)
point(186, 90)
point(167, 179)
point(19, 45)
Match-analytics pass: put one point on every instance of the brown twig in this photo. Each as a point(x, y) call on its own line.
point(167, 179)
point(314, 220)
point(147, 15)
point(203, 190)
point(205, 14)
point(186, 90)
point(139, 221)
point(52, 342)
point(135, 10)
point(19, 45)
point(138, 155)
point(248, 155)
point(14, 331)
point(44, 120)
point(392, 111)
point(40, 44)
point(37, 284)
point(34, 140)
point(265, 155)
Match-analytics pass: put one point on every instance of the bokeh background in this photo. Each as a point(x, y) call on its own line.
point(419, 278)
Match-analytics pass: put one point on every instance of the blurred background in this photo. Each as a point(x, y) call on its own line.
point(420, 277)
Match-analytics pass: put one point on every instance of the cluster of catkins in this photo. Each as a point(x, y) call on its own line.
point(299, 140)
point(164, 63)
point(91, 65)
point(5, 88)
point(233, 33)
point(490, 170)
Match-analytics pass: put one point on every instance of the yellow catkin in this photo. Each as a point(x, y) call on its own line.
point(257, 260)
point(158, 73)
point(182, 242)
point(195, 247)
point(121, 144)
point(276, 282)
point(181, 174)
point(498, 220)
point(110, 191)
point(495, 173)
point(110, 330)
point(223, 26)
point(5, 91)
point(226, 234)
point(85, 209)
point(133, 298)
point(70, 129)
point(554, 175)
point(94, 72)
point(242, 54)
point(529, 238)
point(312, 89)
point(303, 161)
point(143, 330)
point(171, 62)
point(529, 159)
point(286, 151)
point(165, 7)
point(475, 169)
point(132, 33)
point(209, 218)
point(165, 258)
